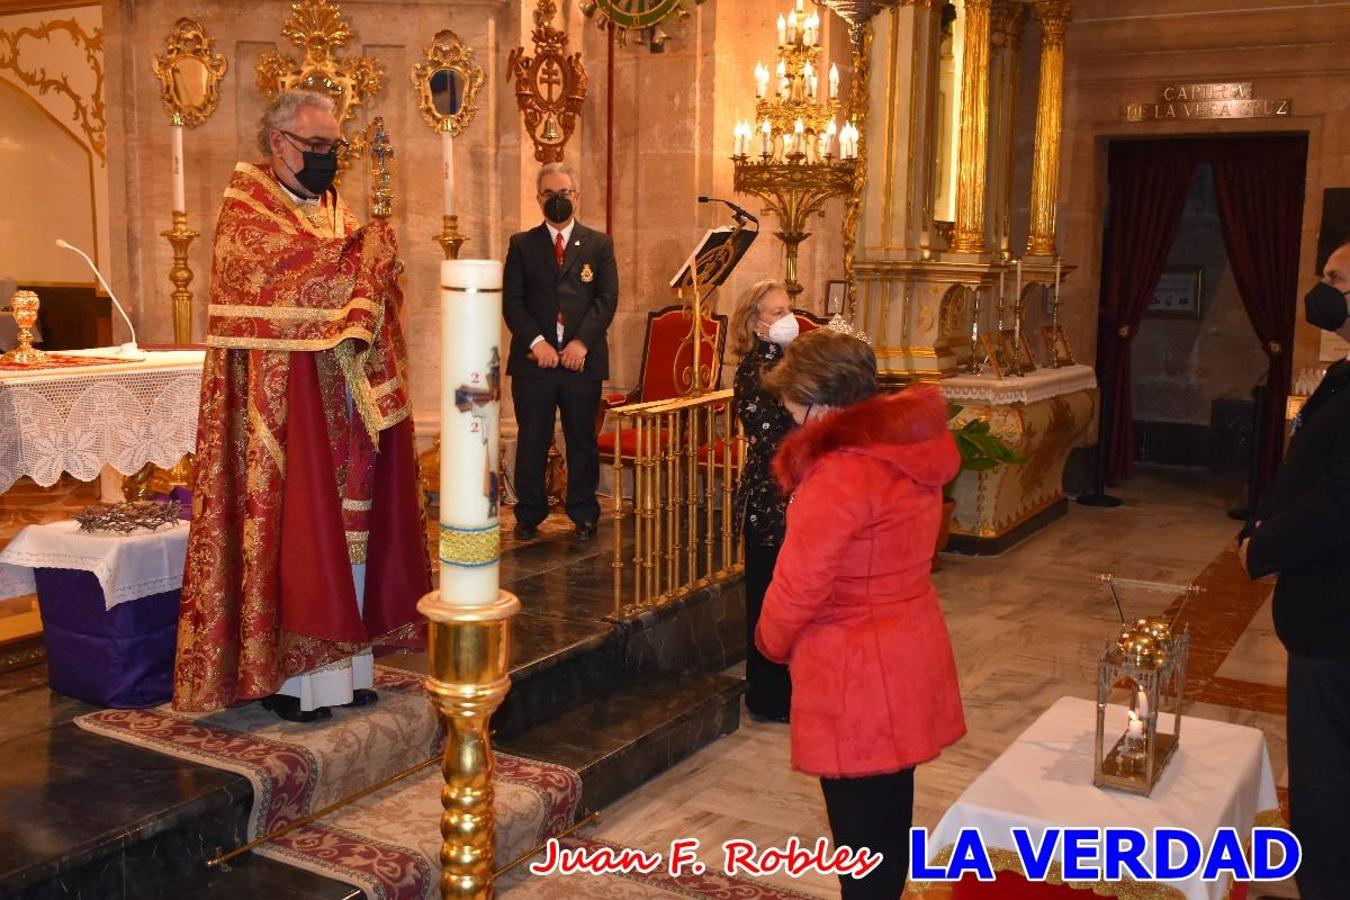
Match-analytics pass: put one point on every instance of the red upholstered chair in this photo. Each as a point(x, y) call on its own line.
point(667, 369)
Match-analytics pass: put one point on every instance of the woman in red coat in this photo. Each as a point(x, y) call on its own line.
point(852, 608)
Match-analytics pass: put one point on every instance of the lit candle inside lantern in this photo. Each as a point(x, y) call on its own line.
point(792, 27)
point(834, 82)
point(1135, 729)
point(470, 538)
point(782, 31)
point(448, 169)
point(767, 132)
point(1141, 703)
point(761, 79)
point(179, 188)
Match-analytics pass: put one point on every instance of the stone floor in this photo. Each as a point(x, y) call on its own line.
point(1028, 627)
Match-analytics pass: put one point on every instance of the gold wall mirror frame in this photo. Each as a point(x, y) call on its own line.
point(190, 73)
point(319, 28)
point(447, 84)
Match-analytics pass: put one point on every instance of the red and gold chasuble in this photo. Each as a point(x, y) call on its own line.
point(305, 457)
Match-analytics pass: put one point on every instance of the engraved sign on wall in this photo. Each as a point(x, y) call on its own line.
point(1225, 100)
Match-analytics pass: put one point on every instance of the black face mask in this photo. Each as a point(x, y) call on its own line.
point(558, 209)
point(1325, 307)
point(318, 172)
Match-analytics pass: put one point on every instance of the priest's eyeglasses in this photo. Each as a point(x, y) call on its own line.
point(317, 145)
point(565, 193)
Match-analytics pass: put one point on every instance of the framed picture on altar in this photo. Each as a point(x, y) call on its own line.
point(836, 292)
point(994, 352)
point(1177, 295)
point(1057, 348)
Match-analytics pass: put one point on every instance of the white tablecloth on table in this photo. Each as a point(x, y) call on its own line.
point(1219, 776)
point(128, 567)
point(1042, 384)
point(79, 419)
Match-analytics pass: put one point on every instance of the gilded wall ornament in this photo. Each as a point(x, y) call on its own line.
point(190, 72)
point(550, 86)
point(447, 84)
point(319, 28)
point(89, 111)
point(641, 16)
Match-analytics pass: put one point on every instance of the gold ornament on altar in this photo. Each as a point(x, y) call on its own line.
point(550, 86)
point(1149, 658)
point(795, 155)
point(24, 306)
point(190, 73)
point(319, 28)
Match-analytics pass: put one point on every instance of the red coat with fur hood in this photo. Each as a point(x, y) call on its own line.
point(852, 608)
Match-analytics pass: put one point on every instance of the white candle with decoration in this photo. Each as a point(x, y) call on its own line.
point(471, 375)
point(834, 82)
point(179, 188)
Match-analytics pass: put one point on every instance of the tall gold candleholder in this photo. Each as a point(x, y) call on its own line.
point(180, 238)
point(470, 653)
point(450, 239)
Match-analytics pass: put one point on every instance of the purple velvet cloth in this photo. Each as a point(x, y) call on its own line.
point(120, 657)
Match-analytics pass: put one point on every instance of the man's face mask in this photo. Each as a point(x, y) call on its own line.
point(319, 170)
point(1325, 307)
point(558, 207)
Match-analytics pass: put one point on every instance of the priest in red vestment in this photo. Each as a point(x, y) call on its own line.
point(308, 544)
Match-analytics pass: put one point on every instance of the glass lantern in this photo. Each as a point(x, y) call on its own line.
point(1150, 661)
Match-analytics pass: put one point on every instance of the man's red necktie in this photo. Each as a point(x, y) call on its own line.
point(559, 251)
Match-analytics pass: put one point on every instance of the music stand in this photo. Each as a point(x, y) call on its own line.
point(706, 269)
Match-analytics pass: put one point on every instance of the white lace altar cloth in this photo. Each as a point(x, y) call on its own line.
point(1042, 384)
point(127, 566)
point(78, 420)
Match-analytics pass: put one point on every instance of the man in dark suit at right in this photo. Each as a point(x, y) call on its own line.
point(560, 289)
point(1301, 532)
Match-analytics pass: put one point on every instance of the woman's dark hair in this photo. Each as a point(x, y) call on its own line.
point(825, 368)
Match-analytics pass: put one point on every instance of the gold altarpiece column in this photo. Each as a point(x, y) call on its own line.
point(1053, 16)
point(971, 196)
point(1008, 20)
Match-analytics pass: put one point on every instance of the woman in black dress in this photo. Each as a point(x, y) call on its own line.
point(761, 326)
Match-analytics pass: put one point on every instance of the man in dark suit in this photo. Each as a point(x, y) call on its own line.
point(1301, 532)
point(559, 293)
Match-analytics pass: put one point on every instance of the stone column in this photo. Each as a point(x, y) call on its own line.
point(970, 198)
point(1053, 16)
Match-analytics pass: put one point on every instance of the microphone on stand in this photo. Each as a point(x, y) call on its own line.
point(741, 213)
point(125, 348)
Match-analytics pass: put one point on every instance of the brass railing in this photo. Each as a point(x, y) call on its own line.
point(677, 536)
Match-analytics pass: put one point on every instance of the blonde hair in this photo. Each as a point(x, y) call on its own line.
point(743, 318)
point(824, 368)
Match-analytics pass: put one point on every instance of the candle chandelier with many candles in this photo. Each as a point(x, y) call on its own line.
point(796, 154)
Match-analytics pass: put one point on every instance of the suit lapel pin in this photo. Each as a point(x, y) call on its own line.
point(587, 275)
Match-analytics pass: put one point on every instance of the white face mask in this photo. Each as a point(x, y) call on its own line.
point(783, 331)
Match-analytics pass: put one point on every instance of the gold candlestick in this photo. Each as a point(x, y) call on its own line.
point(450, 239)
point(24, 306)
point(180, 237)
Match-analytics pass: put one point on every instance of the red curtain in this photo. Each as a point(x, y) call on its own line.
point(1149, 183)
point(1260, 191)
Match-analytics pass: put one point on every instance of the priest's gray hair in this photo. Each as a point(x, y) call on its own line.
point(555, 168)
point(282, 110)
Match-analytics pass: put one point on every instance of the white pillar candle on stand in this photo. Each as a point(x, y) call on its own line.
point(448, 170)
point(471, 367)
point(179, 189)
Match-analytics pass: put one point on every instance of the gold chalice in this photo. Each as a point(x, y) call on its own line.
point(24, 306)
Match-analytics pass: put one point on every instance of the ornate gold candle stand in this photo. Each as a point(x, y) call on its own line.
point(180, 238)
point(470, 653)
point(24, 307)
point(450, 239)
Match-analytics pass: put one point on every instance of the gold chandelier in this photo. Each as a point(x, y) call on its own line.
point(795, 155)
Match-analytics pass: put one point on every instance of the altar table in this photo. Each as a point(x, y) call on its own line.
point(80, 419)
point(109, 605)
point(1220, 776)
point(1044, 414)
